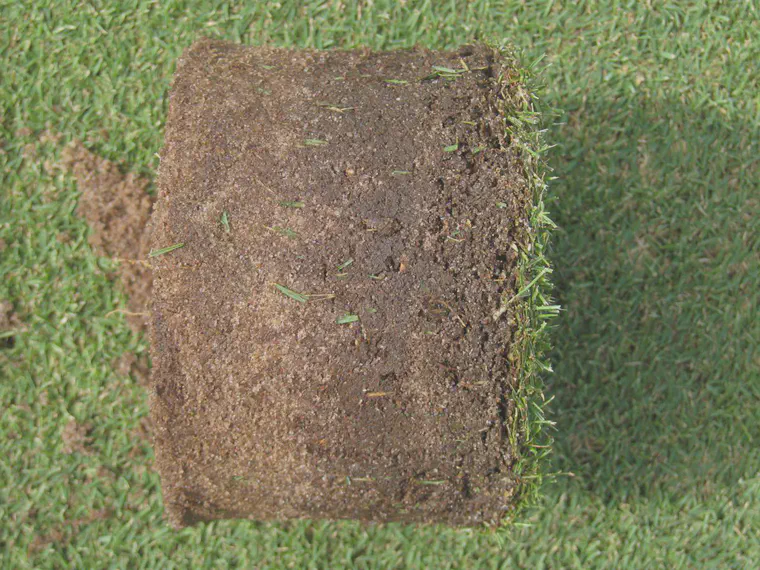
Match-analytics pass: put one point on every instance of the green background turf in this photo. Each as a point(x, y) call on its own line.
point(656, 384)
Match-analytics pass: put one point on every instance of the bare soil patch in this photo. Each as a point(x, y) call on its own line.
point(75, 437)
point(117, 206)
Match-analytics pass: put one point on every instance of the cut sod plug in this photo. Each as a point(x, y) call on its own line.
point(360, 336)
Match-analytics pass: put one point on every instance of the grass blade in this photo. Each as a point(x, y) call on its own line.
point(335, 108)
point(163, 250)
point(345, 319)
point(448, 70)
point(287, 232)
point(290, 293)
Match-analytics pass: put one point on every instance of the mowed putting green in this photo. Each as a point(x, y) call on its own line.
point(655, 379)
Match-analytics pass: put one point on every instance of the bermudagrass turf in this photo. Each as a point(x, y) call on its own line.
point(655, 383)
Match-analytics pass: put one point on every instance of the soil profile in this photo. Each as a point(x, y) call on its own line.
point(328, 342)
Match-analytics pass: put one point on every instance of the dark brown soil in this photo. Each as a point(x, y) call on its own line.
point(264, 405)
point(117, 207)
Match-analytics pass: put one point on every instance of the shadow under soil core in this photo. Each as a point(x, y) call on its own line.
point(654, 265)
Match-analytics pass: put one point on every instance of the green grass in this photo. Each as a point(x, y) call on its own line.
point(531, 306)
point(225, 221)
point(346, 319)
point(164, 250)
point(656, 385)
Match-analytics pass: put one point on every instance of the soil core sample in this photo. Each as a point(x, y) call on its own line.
point(337, 245)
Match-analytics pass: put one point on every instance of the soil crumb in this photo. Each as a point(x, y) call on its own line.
point(75, 438)
point(117, 206)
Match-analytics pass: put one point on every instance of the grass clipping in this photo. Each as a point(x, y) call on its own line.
point(352, 326)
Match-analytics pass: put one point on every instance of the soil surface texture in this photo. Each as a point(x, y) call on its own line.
point(327, 342)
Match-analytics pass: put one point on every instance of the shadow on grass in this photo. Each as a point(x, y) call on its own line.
point(655, 264)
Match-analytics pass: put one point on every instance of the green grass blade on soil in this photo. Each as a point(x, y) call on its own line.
point(165, 250)
point(290, 293)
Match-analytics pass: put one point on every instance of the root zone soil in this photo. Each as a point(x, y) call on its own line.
point(327, 338)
